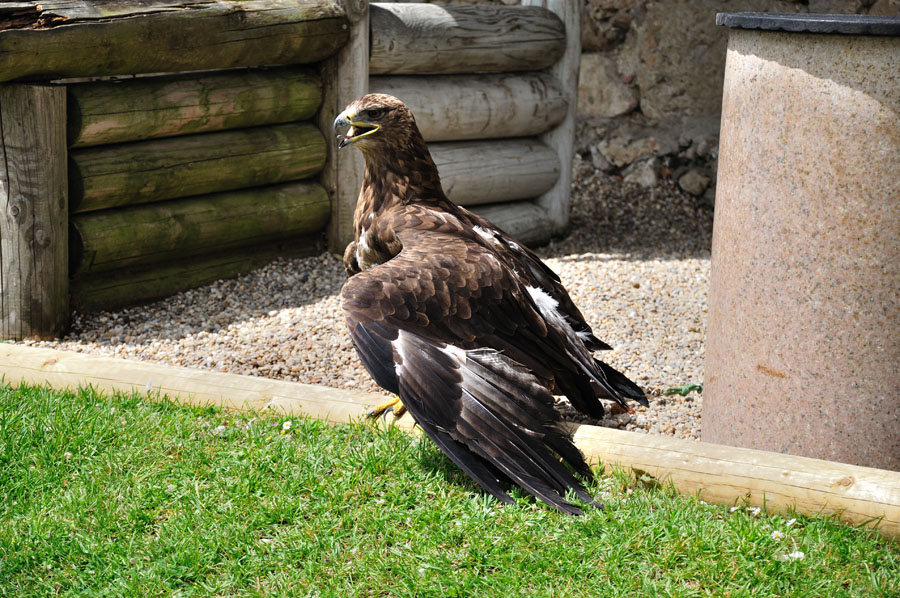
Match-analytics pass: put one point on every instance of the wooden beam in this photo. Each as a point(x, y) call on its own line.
point(715, 473)
point(65, 38)
point(729, 475)
point(420, 38)
point(562, 138)
point(107, 112)
point(34, 284)
point(172, 230)
point(477, 172)
point(463, 107)
point(131, 286)
point(145, 171)
point(345, 77)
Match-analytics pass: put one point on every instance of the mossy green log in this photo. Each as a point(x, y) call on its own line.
point(132, 286)
point(65, 38)
point(147, 171)
point(171, 230)
point(136, 109)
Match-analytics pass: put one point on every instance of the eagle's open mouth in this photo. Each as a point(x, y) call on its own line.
point(356, 130)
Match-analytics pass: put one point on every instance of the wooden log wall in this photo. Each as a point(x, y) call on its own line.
point(174, 180)
point(481, 82)
point(218, 170)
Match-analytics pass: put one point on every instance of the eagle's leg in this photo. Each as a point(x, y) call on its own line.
point(395, 405)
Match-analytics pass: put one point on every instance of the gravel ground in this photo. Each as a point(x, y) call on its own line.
point(636, 263)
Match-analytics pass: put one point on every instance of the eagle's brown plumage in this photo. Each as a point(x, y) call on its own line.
point(471, 329)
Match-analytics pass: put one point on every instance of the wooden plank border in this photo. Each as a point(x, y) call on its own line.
point(716, 473)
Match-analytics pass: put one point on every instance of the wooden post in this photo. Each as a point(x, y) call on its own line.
point(556, 201)
point(34, 277)
point(345, 77)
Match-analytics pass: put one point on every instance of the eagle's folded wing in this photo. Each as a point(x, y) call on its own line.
point(441, 325)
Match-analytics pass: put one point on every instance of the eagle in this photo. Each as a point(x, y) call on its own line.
point(470, 330)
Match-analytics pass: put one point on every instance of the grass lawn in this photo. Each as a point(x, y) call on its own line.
point(123, 496)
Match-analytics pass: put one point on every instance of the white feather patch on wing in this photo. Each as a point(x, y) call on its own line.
point(362, 248)
point(549, 308)
point(547, 305)
point(487, 236)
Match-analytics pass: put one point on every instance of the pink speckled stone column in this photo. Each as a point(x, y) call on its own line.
point(803, 348)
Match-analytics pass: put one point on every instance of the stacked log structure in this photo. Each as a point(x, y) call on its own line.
point(167, 163)
point(219, 168)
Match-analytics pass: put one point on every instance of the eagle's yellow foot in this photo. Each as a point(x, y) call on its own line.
point(395, 405)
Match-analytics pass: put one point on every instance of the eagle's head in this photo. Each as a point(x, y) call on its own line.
point(375, 122)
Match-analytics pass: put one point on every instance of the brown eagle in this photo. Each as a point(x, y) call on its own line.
point(470, 329)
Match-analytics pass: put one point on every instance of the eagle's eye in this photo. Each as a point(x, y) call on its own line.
point(375, 113)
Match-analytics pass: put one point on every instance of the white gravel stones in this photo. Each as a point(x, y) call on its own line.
point(636, 262)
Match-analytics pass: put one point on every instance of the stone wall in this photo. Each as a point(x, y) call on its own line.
point(650, 88)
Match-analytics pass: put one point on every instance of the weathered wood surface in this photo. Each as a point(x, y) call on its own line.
point(461, 107)
point(524, 220)
point(562, 138)
point(477, 172)
point(715, 473)
point(730, 475)
point(34, 282)
point(171, 230)
point(109, 176)
point(345, 77)
point(83, 38)
point(422, 38)
point(131, 286)
point(144, 108)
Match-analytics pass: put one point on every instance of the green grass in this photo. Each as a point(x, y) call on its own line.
point(126, 497)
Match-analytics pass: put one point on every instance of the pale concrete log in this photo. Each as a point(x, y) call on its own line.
point(34, 284)
point(83, 38)
point(477, 172)
point(523, 220)
point(461, 107)
point(345, 77)
point(131, 286)
point(423, 38)
point(171, 230)
point(107, 112)
point(562, 138)
point(715, 473)
point(145, 171)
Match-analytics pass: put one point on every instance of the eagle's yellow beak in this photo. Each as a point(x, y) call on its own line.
point(350, 128)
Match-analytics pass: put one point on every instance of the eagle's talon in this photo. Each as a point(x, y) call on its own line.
point(395, 405)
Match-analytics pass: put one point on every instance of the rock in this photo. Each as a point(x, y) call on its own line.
point(888, 8)
point(599, 162)
point(693, 182)
point(601, 91)
point(643, 173)
point(622, 151)
point(605, 23)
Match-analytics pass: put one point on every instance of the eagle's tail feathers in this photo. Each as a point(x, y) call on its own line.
point(622, 388)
